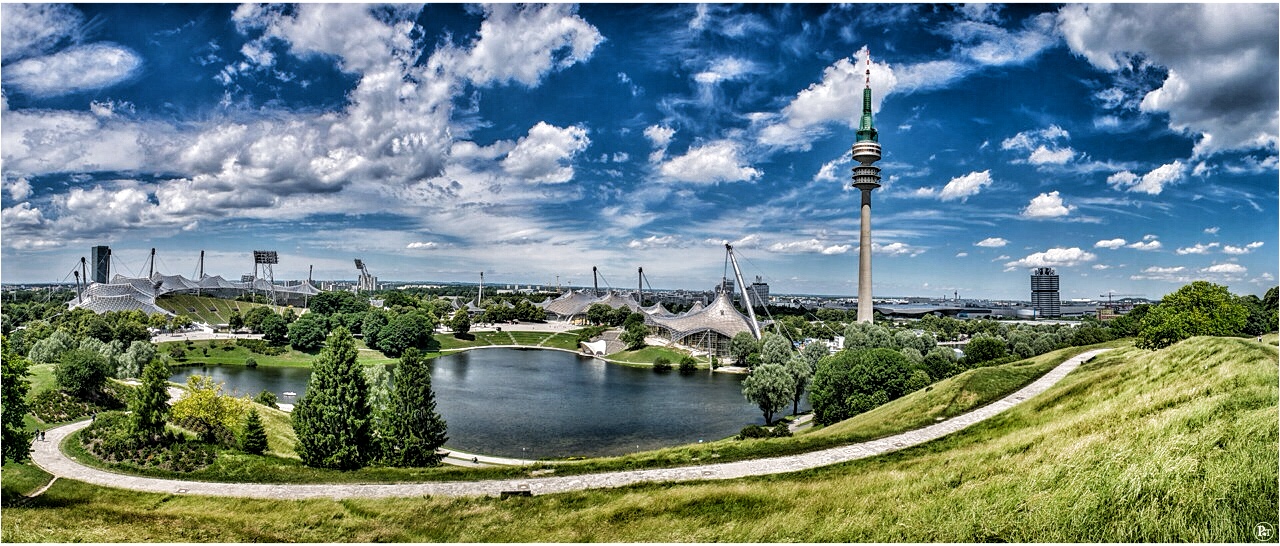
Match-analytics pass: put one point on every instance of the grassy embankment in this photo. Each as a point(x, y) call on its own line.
point(1178, 445)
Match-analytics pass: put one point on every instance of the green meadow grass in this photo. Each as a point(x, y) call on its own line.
point(1177, 445)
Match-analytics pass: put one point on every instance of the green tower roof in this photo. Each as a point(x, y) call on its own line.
point(866, 128)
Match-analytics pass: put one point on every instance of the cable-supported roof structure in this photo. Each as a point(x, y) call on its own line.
point(140, 293)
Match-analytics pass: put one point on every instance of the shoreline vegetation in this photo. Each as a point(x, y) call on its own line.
point(1073, 464)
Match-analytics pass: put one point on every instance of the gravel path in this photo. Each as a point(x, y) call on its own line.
point(47, 455)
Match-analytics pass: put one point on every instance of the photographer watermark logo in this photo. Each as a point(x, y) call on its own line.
point(1264, 532)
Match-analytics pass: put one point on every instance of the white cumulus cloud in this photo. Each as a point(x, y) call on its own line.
point(719, 161)
point(1047, 205)
point(1055, 257)
point(1153, 182)
point(540, 156)
point(1110, 243)
point(964, 187)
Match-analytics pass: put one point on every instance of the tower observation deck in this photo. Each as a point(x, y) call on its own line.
point(866, 177)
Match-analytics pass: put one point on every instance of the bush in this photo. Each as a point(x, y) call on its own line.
point(112, 439)
point(688, 364)
point(780, 430)
point(250, 363)
point(261, 347)
point(662, 364)
point(268, 399)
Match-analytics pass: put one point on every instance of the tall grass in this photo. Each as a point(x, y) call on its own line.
point(1177, 445)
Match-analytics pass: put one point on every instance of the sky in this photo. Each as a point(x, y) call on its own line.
point(1132, 147)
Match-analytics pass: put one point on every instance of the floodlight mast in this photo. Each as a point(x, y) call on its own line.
point(265, 259)
point(746, 297)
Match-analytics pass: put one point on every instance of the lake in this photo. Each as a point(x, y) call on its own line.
point(529, 403)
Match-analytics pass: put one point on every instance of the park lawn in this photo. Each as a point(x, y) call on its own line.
point(206, 309)
point(646, 355)
point(562, 340)
point(1176, 445)
point(226, 352)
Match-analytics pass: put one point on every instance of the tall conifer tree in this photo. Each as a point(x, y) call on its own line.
point(414, 430)
point(333, 420)
point(151, 405)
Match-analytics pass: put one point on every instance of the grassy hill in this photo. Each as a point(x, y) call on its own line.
point(206, 309)
point(1177, 445)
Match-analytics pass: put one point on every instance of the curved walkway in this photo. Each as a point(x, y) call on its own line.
point(47, 455)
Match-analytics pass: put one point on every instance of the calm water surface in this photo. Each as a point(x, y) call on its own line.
point(539, 403)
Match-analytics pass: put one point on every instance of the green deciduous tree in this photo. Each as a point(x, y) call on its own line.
point(132, 361)
point(741, 346)
point(801, 373)
point(634, 335)
point(461, 322)
point(254, 439)
point(769, 387)
point(253, 319)
point(204, 410)
point(984, 348)
point(15, 441)
point(82, 372)
point(333, 420)
point(853, 381)
point(150, 406)
point(49, 349)
point(274, 329)
point(414, 431)
point(1197, 309)
point(307, 333)
point(774, 349)
point(235, 321)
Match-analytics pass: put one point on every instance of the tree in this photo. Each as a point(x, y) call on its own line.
point(634, 335)
point(461, 322)
point(150, 405)
point(1197, 309)
point(379, 381)
point(662, 364)
point(274, 329)
point(206, 411)
point(49, 350)
point(254, 441)
point(254, 317)
point(688, 364)
point(940, 363)
point(82, 372)
point(800, 373)
point(414, 430)
point(235, 321)
point(813, 353)
point(741, 346)
point(15, 441)
point(774, 349)
point(770, 387)
point(371, 324)
point(129, 331)
point(402, 332)
point(328, 303)
point(132, 361)
point(307, 333)
point(982, 349)
point(850, 382)
point(332, 421)
point(599, 313)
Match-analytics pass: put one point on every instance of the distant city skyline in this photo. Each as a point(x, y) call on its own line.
point(531, 142)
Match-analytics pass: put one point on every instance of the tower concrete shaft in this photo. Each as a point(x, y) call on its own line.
point(866, 177)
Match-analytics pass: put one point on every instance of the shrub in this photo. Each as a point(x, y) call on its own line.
point(780, 430)
point(662, 364)
point(250, 363)
point(688, 364)
point(268, 399)
point(112, 439)
point(261, 347)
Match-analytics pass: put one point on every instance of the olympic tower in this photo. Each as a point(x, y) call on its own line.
point(866, 177)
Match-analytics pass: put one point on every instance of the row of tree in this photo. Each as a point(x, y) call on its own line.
point(338, 427)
